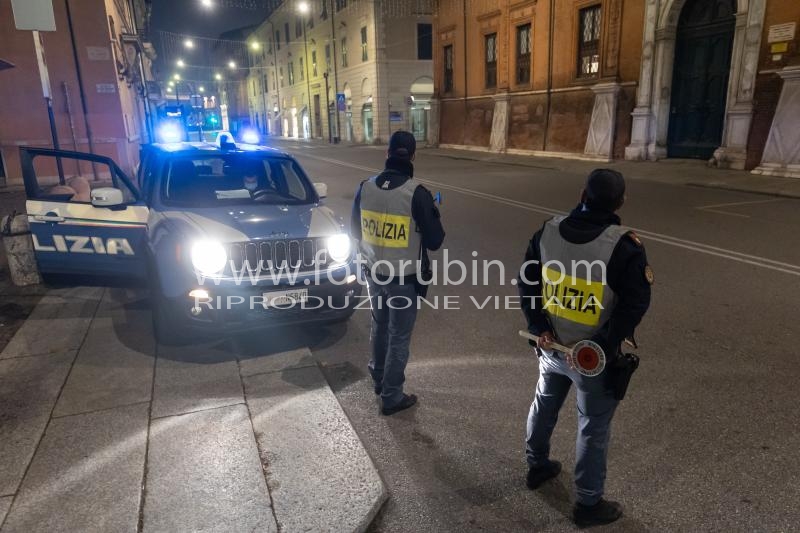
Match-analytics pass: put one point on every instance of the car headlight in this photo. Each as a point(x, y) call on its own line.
point(209, 257)
point(339, 247)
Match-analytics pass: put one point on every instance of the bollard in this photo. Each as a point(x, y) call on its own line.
point(19, 250)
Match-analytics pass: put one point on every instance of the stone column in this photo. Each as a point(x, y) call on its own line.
point(499, 138)
point(434, 119)
point(642, 113)
point(782, 152)
point(600, 140)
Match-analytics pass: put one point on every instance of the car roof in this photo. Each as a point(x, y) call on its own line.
point(205, 148)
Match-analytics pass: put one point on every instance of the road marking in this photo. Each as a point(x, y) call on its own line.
point(755, 260)
point(736, 204)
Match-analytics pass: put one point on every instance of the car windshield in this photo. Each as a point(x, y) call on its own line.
point(235, 179)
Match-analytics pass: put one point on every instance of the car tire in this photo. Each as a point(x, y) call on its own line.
point(167, 327)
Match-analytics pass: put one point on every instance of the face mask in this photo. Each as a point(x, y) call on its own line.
point(250, 185)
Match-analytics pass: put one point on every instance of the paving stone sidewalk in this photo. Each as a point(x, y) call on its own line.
point(104, 430)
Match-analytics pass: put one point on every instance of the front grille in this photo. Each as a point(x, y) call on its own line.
point(275, 256)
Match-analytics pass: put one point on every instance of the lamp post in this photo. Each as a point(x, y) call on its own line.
point(335, 71)
point(275, 79)
point(305, 10)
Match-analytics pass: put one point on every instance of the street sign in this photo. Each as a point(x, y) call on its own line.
point(341, 102)
point(34, 15)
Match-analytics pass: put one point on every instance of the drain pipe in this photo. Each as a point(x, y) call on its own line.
point(80, 86)
point(549, 74)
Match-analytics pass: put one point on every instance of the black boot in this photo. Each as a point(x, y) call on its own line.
point(603, 512)
point(539, 474)
point(408, 401)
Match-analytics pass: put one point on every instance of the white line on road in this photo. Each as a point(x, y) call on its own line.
point(755, 260)
point(737, 204)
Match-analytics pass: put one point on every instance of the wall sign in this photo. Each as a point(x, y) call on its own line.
point(98, 53)
point(106, 88)
point(780, 33)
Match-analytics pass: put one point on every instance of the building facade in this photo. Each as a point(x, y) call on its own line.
point(98, 61)
point(612, 79)
point(375, 54)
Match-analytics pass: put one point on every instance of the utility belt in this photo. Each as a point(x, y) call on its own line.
point(619, 373)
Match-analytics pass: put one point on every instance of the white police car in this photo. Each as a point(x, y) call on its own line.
point(228, 237)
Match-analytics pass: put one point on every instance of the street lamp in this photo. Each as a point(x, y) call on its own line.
point(180, 63)
point(201, 89)
point(189, 44)
point(255, 46)
point(171, 83)
point(218, 76)
point(176, 77)
point(208, 4)
point(305, 9)
point(231, 65)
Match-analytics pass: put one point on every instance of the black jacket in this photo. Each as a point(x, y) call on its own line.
point(626, 275)
point(423, 209)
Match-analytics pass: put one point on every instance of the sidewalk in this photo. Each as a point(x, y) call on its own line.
point(101, 429)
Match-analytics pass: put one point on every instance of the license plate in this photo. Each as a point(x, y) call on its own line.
point(285, 298)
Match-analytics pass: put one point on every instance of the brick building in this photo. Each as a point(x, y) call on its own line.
point(98, 107)
point(611, 79)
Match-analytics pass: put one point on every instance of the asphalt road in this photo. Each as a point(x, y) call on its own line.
point(707, 438)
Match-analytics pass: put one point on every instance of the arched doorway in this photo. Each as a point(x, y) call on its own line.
point(421, 94)
point(703, 48)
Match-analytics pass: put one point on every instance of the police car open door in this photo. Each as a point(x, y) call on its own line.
point(86, 216)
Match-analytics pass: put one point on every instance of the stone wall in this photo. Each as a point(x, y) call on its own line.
point(570, 115)
point(527, 122)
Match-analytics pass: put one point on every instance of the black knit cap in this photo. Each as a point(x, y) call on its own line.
point(605, 189)
point(402, 144)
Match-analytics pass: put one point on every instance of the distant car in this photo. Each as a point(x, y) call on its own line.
point(205, 225)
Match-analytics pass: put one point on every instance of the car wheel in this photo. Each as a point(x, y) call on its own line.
point(167, 325)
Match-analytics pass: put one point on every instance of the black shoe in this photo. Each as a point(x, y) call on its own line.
point(378, 389)
point(603, 512)
point(408, 401)
point(539, 474)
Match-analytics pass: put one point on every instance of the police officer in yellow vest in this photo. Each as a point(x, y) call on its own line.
point(395, 222)
point(584, 277)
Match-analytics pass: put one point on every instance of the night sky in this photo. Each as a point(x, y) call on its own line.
point(191, 18)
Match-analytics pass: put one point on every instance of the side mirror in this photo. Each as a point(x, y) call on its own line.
point(107, 197)
point(322, 190)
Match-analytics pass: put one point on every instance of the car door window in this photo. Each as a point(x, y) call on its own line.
point(76, 178)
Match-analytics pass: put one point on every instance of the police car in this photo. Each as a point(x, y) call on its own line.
point(228, 237)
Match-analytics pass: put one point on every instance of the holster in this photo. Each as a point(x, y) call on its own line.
point(620, 372)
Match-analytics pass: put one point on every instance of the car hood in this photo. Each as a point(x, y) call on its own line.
point(245, 223)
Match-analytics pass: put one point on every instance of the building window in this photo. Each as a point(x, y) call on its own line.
point(286, 31)
point(281, 72)
point(524, 53)
point(424, 41)
point(302, 70)
point(490, 54)
point(344, 51)
point(448, 68)
point(298, 28)
point(311, 21)
point(266, 83)
point(278, 39)
point(324, 12)
point(340, 4)
point(291, 73)
point(327, 58)
point(364, 54)
point(589, 42)
point(314, 62)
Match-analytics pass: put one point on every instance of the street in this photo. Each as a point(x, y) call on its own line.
point(706, 438)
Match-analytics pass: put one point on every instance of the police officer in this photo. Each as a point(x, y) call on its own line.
point(606, 311)
point(395, 222)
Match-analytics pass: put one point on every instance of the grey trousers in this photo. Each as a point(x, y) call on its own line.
point(394, 311)
point(596, 407)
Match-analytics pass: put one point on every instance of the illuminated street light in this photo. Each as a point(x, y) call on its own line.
point(180, 63)
point(188, 43)
point(303, 8)
point(171, 84)
point(207, 3)
point(218, 76)
point(255, 46)
point(176, 77)
point(231, 64)
point(201, 89)
point(169, 89)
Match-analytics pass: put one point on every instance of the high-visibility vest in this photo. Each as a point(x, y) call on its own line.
point(390, 242)
point(575, 293)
